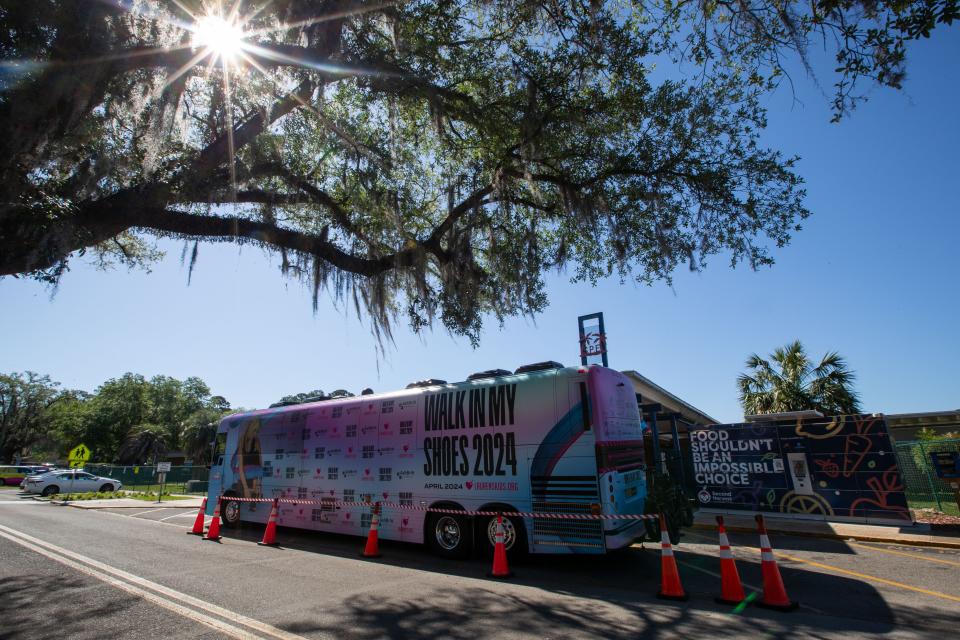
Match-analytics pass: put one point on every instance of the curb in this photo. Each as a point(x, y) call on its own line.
point(945, 544)
point(73, 504)
point(110, 506)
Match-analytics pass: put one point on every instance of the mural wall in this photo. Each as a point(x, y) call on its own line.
point(836, 468)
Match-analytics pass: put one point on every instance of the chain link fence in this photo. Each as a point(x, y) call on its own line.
point(184, 479)
point(923, 488)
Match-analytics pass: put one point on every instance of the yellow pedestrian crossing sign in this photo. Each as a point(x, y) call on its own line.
point(78, 456)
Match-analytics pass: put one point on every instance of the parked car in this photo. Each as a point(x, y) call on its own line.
point(68, 481)
point(15, 474)
point(44, 468)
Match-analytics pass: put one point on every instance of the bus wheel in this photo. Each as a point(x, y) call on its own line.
point(514, 536)
point(230, 512)
point(448, 535)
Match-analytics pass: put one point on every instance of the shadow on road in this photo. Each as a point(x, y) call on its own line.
point(467, 614)
point(625, 581)
point(41, 606)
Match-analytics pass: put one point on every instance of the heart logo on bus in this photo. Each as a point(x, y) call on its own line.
point(406, 521)
point(347, 515)
point(386, 494)
point(469, 485)
point(406, 447)
point(331, 491)
point(366, 472)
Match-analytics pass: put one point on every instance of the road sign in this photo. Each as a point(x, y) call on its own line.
point(946, 463)
point(78, 456)
point(593, 340)
point(163, 467)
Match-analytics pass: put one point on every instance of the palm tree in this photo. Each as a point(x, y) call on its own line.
point(793, 383)
point(144, 443)
point(199, 431)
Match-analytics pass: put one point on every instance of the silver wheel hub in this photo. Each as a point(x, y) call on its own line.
point(447, 533)
point(509, 533)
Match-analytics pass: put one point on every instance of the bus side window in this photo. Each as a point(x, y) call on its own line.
point(220, 447)
point(585, 406)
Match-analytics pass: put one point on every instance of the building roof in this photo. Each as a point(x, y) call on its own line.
point(939, 421)
point(650, 391)
point(784, 415)
point(924, 417)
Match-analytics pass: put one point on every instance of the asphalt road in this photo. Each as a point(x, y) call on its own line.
point(133, 573)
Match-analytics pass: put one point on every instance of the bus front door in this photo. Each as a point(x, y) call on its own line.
point(215, 475)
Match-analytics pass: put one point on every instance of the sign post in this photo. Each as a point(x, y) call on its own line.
point(78, 456)
point(162, 469)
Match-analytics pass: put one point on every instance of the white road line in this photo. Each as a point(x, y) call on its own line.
point(219, 625)
point(140, 513)
point(123, 515)
point(182, 515)
point(262, 627)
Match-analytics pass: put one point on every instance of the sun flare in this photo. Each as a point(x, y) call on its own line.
point(221, 37)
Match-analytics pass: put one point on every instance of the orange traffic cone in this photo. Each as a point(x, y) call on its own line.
point(731, 589)
point(372, 550)
point(670, 587)
point(774, 594)
point(213, 533)
point(198, 523)
point(270, 535)
point(500, 568)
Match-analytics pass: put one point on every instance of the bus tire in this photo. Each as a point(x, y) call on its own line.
point(515, 536)
point(448, 535)
point(230, 511)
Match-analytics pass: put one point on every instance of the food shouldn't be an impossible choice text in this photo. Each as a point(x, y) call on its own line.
point(718, 460)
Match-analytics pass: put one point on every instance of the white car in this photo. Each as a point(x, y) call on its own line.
point(68, 481)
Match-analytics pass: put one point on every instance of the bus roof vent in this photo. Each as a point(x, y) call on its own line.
point(539, 366)
point(429, 382)
point(490, 373)
point(290, 403)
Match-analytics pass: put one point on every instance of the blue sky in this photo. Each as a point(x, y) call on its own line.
point(873, 275)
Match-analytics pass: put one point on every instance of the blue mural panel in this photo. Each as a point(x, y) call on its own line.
point(841, 468)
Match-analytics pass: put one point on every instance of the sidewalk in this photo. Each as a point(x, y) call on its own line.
point(130, 503)
point(918, 534)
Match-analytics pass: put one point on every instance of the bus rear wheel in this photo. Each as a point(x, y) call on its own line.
point(514, 535)
point(448, 535)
